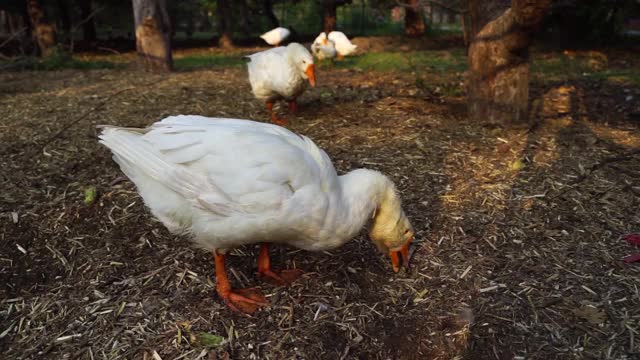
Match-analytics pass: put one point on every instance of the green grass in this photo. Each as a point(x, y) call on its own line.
point(193, 62)
point(433, 61)
point(57, 61)
point(563, 68)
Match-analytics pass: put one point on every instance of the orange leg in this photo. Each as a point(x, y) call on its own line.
point(282, 277)
point(241, 300)
point(340, 57)
point(293, 106)
point(274, 117)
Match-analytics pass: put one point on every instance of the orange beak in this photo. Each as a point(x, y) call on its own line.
point(325, 41)
point(311, 74)
point(400, 256)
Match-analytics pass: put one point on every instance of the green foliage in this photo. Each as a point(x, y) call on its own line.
point(207, 61)
point(209, 340)
point(59, 59)
point(432, 61)
point(576, 22)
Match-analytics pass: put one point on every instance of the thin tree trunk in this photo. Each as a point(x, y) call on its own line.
point(245, 16)
point(329, 15)
point(65, 16)
point(498, 83)
point(152, 34)
point(224, 24)
point(267, 6)
point(89, 25)
point(466, 28)
point(413, 20)
point(43, 32)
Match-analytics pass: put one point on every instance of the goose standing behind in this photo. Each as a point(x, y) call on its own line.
point(276, 36)
point(323, 48)
point(344, 47)
point(281, 73)
point(229, 182)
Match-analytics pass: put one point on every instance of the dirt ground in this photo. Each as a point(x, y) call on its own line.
point(519, 230)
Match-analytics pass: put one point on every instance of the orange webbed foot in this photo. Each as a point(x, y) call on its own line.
point(281, 277)
point(276, 277)
point(245, 301)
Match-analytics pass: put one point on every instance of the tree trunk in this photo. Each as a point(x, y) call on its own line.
point(89, 25)
point(43, 32)
point(65, 17)
point(329, 15)
point(224, 23)
point(267, 6)
point(413, 21)
point(152, 34)
point(466, 28)
point(498, 83)
point(245, 16)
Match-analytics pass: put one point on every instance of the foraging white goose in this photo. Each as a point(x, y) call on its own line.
point(344, 47)
point(323, 48)
point(281, 73)
point(230, 182)
point(276, 36)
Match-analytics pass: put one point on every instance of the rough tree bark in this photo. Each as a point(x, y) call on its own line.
point(413, 20)
point(89, 25)
point(498, 83)
point(153, 34)
point(267, 7)
point(329, 14)
point(224, 23)
point(43, 32)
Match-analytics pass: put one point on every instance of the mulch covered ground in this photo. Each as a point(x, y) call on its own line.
point(518, 228)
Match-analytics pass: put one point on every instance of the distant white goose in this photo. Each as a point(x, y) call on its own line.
point(229, 182)
point(344, 47)
point(323, 48)
point(281, 73)
point(276, 36)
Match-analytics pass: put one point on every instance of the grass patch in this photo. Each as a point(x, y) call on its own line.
point(193, 62)
point(620, 77)
point(432, 61)
point(58, 60)
point(563, 68)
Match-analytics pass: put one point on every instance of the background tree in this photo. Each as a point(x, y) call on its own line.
point(225, 29)
point(498, 83)
point(413, 18)
point(43, 32)
point(267, 8)
point(64, 14)
point(329, 13)
point(89, 24)
point(153, 34)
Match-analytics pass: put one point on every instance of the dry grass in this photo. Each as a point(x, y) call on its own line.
point(518, 230)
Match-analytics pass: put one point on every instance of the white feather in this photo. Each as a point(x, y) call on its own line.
point(278, 73)
point(276, 36)
point(344, 47)
point(253, 182)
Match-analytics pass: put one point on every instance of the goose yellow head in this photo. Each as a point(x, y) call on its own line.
point(391, 230)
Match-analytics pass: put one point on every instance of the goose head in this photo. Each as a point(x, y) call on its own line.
point(323, 38)
point(300, 57)
point(391, 230)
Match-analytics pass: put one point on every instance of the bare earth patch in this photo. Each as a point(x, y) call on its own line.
point(519, 229)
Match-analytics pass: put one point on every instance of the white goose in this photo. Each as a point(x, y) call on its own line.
point(344, 47)
point(276, 36)
point(323, 48)
point(229, 182)
point(281, 73)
